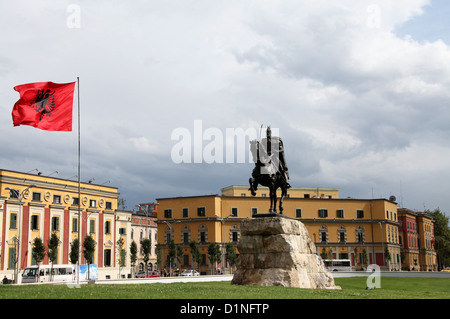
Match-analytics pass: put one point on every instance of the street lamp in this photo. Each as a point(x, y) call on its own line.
point(19, 236)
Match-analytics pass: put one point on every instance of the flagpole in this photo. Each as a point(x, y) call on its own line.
point(79, 188)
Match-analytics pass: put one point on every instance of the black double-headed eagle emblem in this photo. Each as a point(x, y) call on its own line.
point(43, 102)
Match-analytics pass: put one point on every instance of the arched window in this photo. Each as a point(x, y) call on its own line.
point(168, 234)
point(360, 234)
point(186, 235)
point(203, 234)
point(342, 234)
point(234, 233)
point(323, 234)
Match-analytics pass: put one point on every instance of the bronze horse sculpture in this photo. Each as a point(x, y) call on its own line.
point(270, 169)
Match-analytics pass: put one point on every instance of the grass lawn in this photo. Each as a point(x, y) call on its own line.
point(352, 288)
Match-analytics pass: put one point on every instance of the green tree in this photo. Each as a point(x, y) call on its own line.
point(52, 251)
point(88, 251)
point(195, 253)
point(387, 255)
point(121, 252)
point(133, 256)
point(230, 254)
point(214, 254)
point(179, 250)
point(172, 253)
point(441, 237)
point(74, 251)
point(146, 245)
point(38, 252)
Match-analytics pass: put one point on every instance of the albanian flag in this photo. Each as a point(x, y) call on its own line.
point(44, 105)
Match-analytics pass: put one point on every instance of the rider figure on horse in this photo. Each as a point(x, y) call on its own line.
point(271, 150)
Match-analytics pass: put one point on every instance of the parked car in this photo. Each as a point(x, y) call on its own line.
point(190, 273)
point(446, 269)
point(153, 274)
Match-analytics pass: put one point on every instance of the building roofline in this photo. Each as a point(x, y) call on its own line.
point(40, 178)
point(292, 188)
point(192, 196)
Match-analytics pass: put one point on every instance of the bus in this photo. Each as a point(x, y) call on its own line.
point(58, 273)
point(338, 264)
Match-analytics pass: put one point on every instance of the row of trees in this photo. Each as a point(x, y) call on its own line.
point(39, 250)
point(176, 253)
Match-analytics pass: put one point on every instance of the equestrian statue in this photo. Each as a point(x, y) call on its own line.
point(270, 168)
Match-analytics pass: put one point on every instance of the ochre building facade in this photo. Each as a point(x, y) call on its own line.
point(366, 231)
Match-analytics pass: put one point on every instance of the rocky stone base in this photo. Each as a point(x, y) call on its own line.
point(277, 251)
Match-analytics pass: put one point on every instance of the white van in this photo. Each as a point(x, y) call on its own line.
point(58, 273)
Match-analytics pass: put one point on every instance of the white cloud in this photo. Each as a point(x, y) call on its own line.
point(352, 99)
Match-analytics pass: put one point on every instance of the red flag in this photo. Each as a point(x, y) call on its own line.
point(44, 105)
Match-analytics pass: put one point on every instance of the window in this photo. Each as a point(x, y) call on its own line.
point(56, 199)
point(36, 197)
point(108, 205)
point(92, 203)
point(13, 221)
point(202, 237)
point(122, 231)
point(203, 262)
point(340, 213)
point(342, 234)
point(254, 211)
point(360, 235)
point(34, 222)
point(55, 223)
point(185, 260)
point(323, 234)
point(75, 201)
point(168, 213)
point(306, 196)
point(108, 227)
point(74, 225)
point(107, 258)
point(323, 213)
point(234, 211)
point(185, 212)
point(92, 226)
point(298, 213)
point(11, 257)
point(359, 213)
point(201, 211)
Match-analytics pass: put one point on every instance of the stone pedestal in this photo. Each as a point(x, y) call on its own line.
point(275, 250)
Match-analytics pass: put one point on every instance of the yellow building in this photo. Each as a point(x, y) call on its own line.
point(33, 205)
point(362, 230)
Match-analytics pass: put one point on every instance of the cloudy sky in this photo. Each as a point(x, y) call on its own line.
point(359, 91)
